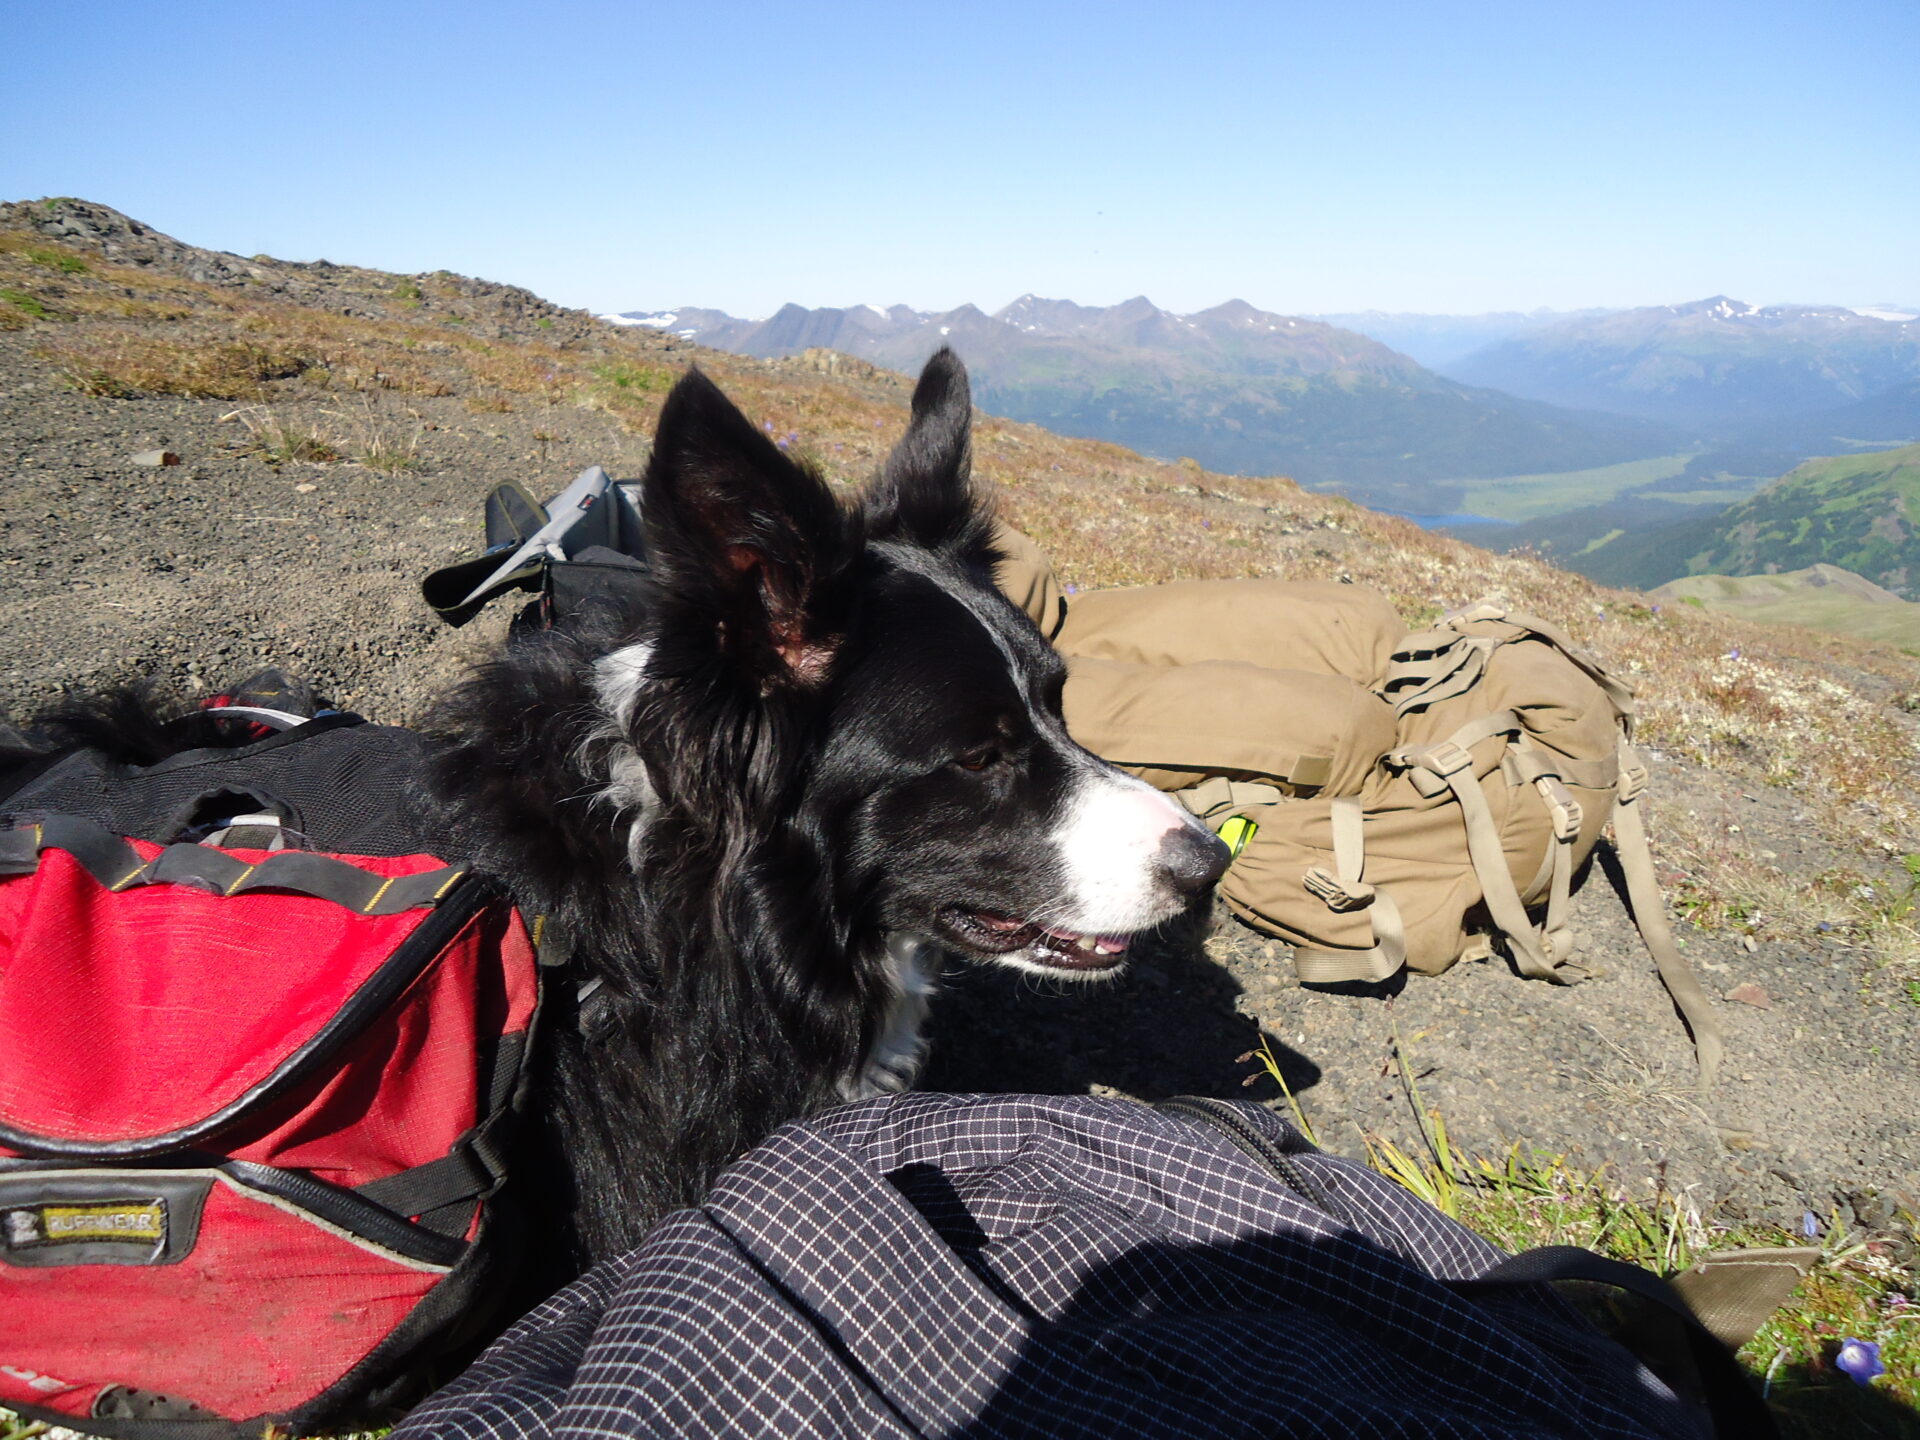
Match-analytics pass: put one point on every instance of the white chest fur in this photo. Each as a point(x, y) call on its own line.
point(899, 1052)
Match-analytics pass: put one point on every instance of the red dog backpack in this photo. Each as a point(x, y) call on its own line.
point(255, 1088)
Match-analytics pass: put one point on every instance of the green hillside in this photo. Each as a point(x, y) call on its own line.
point(1821, 597)
point(1858, 512)
point(1854, 511)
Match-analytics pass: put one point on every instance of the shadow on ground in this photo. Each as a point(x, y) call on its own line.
point(1168, 1025)
point(1823, 1406)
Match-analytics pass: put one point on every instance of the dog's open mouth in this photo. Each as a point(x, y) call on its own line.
point(1043, 945)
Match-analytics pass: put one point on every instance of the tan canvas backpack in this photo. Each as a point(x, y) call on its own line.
point(1395, 800)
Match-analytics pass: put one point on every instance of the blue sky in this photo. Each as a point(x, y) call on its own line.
point(1307, 157)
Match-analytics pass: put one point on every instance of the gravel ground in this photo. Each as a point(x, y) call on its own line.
point(199, 574)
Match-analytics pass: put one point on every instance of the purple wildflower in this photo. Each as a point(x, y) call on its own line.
point(1825, 925)
point(1206, 524)
point(1810, 1225)
point(1860, 1360)
point(1073, 589)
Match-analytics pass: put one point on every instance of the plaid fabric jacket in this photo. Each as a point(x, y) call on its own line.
point(934, 1265)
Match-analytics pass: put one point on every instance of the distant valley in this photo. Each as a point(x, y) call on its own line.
point(1858, 512)
point(1441, 341)
point(1764, 386)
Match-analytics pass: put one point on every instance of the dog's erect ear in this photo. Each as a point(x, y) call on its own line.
point(925, 490)
point(743, 541)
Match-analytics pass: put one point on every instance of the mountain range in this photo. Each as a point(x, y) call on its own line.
point(1236, 388)
point(1717, 362)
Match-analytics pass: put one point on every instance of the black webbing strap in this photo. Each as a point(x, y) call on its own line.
point(1736, 1408)
point(118, 866)
point(466, 1172)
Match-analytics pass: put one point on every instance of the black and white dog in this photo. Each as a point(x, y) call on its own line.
point(826, 750)
point(819, 753)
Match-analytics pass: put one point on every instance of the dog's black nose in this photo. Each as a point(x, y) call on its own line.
point(1193, 859)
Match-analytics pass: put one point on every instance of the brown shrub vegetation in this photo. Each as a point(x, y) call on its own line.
point(123, 363)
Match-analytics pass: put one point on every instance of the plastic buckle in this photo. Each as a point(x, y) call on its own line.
point(1479, 610)
point(1562, 806)
point(1442, 758)
point(1634, 776)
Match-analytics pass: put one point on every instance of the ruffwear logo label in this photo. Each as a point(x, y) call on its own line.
point(40, 1385)
point(141, 1222)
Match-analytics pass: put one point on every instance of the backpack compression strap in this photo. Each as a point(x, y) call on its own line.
point(1450, 660)
point(118, 866)
point(1348, 890)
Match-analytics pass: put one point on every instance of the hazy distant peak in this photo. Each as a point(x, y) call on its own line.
point(1037, 315)
point(1720, 306)
point(1238, 311)
point(1248, 317)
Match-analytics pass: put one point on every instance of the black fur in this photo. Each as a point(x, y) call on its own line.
point(842, 732)
point(744, 949)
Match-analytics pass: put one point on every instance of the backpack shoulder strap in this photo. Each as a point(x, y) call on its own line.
point(1719, 1383)
point(1650, 915)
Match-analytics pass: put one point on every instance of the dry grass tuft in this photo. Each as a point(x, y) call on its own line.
point(280, 441)
point(382, 443)
point(1626, 1080)
point(120, 364)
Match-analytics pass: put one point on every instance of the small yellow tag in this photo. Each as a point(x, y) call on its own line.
point(1237, 832)
point(115, 1220)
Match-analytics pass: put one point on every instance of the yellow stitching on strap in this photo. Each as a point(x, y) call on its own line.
point(452, 880)
point(368, 909)
point(242, 880)
point(128, 878)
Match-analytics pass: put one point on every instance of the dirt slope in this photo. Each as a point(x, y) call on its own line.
point(1785, 761)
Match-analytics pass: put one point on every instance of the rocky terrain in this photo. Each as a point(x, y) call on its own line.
point(336, 430)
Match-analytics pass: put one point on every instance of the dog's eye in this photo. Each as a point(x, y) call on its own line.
point(978, 759)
